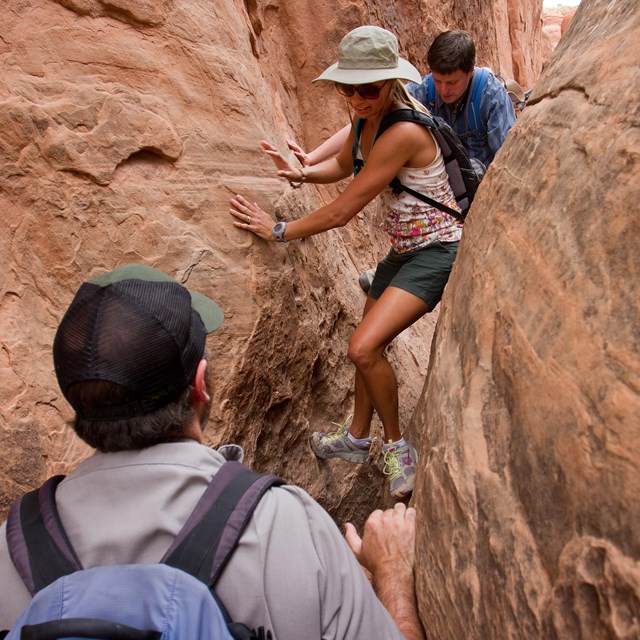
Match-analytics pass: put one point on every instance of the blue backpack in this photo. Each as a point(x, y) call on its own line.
point(173, 600)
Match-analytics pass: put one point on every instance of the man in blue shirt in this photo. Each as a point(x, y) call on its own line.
point(470, 99)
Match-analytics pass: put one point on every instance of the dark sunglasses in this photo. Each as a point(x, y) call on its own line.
point(366, 91)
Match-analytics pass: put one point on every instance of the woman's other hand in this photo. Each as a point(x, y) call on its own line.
point(298, 152)
point(285, 170)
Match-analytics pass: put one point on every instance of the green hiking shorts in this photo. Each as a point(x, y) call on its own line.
point(424, 273)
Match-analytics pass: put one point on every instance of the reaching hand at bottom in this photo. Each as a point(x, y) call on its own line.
point(387, 551)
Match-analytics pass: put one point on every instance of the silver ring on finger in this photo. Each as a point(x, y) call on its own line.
point(248, 219)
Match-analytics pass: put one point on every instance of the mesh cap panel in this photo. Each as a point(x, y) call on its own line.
point(144, 336)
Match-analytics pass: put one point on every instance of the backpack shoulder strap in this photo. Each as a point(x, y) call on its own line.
point(37, 542)
point(411, 115)
point(405, 115)
point(479, 80)
point(431, 90)
point(211, 533)
point(358, 163)
point(398, 187)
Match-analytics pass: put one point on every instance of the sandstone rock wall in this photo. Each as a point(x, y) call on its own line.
point(529, 487)
point(518, 41)
point(125, 127)
point(554, 24)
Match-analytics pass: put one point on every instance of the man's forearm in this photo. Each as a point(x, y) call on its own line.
point(397, 594)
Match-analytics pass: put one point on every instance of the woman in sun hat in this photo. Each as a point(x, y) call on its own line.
point(409, 281)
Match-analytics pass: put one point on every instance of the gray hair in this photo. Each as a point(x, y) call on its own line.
point(133, 433)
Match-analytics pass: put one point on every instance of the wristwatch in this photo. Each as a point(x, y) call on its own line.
point(278, 231)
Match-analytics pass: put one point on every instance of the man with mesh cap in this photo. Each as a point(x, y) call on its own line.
point(130, 358)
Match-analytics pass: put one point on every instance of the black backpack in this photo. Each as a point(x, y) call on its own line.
point(464, 173)
point(97, 602)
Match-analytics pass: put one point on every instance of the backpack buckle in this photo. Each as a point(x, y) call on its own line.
point(396, 186)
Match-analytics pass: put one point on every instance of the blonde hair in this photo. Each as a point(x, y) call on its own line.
point(400, 94)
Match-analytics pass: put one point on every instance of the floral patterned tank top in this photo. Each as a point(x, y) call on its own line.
point(413, 224)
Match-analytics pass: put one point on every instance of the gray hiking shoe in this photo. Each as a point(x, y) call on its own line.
point(365, 279)
point(400, 466)
point(336, 444)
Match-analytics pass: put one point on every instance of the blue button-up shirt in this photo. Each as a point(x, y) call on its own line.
point(496, 115)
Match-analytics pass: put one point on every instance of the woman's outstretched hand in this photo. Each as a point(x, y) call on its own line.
point(298, 152)
point(285, 170)
point(250, 217)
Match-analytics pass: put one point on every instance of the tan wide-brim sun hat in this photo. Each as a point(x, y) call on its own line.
point(515, 91)
point(369, 54)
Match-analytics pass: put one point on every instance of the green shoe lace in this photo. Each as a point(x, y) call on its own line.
point(391, 464)
point(340, 432)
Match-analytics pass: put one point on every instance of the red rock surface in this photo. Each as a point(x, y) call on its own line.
point(125, 127)
point(529, 486)
point(554, 23)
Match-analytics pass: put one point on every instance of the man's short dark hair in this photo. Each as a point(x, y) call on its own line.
point(452, 51)
point(136, 432)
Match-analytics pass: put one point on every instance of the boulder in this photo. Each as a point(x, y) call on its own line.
point(528, 492)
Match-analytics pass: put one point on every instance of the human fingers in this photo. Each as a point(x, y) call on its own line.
point(250, 217)
point(400, 508)
point(243, 209)
point(401, 519)
point(277, 158)
point(243, 219)
point(299, 153)
point(353, 539)
point(267, 146)
point(292, 175)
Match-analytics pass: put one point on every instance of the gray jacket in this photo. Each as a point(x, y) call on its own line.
point(292, 571)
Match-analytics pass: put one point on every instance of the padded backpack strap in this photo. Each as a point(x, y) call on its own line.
point(431, 91)
point(38, 544)
point(478, 82)
point(358, 163)
point(405, 115)
point(410, 115)
point(211, 533)
point(398, 188)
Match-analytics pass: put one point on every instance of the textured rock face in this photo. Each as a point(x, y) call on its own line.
point(126, 125)
point(518, 41)
point(529, 491)
point(554, 24)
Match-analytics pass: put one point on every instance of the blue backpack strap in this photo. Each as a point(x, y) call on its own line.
point(37, 542)
point(431, 92)
point(479, 80)
point(358, 163)
point(211, 533)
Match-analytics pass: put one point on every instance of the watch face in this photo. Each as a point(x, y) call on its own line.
point(278, 231)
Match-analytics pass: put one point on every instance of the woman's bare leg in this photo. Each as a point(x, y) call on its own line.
point(376, 383)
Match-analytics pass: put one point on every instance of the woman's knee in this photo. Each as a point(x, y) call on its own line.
point(361, 353)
